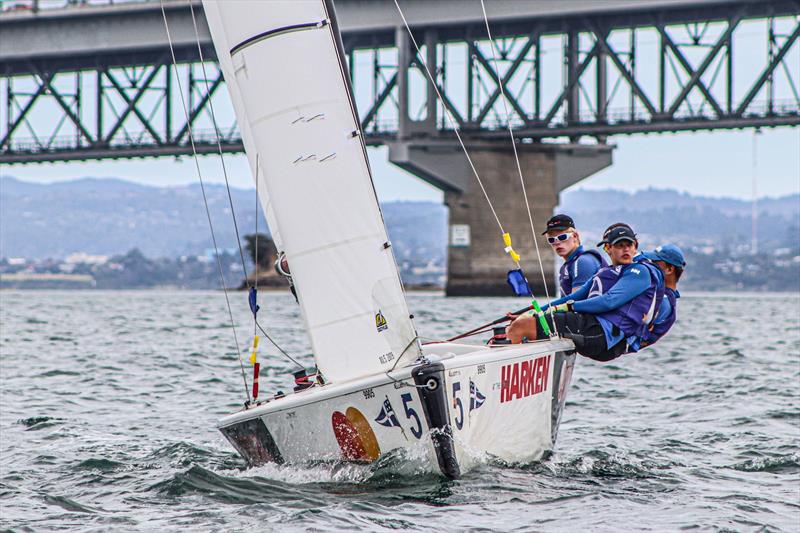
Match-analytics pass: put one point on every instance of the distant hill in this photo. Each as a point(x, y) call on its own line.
point(108, 216)
point(661, 215)
point(119, 218)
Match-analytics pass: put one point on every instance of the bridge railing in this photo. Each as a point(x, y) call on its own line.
point(43, 5)
point(588, 77)
point(231, 139)
point(33, 145)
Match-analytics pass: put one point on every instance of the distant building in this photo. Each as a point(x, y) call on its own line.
point(87, 259)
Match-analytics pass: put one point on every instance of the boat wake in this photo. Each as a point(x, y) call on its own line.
point(231, 483)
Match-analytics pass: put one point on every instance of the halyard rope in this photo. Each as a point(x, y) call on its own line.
point(256, 324)
point(447, 114)
point(516, 156)
point(205, 200)
point(454, 126)
point(219, 144)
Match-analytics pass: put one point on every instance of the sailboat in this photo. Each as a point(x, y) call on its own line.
point(383, 390)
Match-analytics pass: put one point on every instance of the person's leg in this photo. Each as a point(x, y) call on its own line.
point(560, 323)
point(586, 333)
point(594, 343)
point(528, 327)
point(554, 321)
point(612, 353)
point(583, 329)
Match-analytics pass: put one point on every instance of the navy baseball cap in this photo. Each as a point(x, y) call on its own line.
point(669, 253)
point(616, 233)
point(559, 222)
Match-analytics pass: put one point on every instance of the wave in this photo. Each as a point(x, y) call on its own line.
point(100, 463)
point(784, 464)
point(398, 475)
point(68, 505)
point(603, 465)
point(39, 422)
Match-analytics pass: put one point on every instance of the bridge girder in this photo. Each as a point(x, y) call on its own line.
point(572, 75)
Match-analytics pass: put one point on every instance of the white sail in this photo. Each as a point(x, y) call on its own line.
point(283, 66)
point(226, 65)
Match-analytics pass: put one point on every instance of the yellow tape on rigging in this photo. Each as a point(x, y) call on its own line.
point(255, 350)
point(509, 249)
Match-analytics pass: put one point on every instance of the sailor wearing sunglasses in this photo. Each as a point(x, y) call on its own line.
point(610, 314)
point(579, 265)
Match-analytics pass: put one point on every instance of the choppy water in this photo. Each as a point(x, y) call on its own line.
point(109, 402)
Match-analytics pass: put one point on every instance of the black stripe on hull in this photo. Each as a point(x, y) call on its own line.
point(430, 384)
point(563, 363)
point(253, 441)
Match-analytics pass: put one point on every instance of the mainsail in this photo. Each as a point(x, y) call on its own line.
point(283, 65)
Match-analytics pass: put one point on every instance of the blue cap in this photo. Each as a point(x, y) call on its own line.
point(669, 253)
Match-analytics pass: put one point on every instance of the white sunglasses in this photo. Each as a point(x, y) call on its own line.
point(557, 238)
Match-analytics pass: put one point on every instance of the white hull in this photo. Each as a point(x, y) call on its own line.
point(466, 401)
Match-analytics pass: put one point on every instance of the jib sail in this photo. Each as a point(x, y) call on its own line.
point(284, 67)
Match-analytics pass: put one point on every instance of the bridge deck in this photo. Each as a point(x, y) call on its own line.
point(73, 37)
point(597, 82)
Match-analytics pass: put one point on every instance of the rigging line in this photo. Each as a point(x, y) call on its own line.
point(216, 133)
point(292, 359)
point(255, 256)
point(255, 281)
point(516, 156)
point(205, 200)
point(416, 341)
point(447, 114)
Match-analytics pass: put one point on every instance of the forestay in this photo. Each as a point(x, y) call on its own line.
point(283, 66)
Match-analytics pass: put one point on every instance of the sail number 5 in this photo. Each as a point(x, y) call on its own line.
point(411, 413)
point(458, 405)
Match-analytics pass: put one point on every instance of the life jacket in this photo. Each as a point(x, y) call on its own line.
point(635, 317)
point(567, 271)
point(656, 331)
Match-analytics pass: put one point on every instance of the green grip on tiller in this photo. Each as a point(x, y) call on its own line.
point(542, 321)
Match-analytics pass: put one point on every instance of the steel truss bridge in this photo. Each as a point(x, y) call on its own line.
point(97, 81)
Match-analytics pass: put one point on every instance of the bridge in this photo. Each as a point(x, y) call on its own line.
point(93, 80)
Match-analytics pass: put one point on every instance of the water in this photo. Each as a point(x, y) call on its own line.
point(109, 402)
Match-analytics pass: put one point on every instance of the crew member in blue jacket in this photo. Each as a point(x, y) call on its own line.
point(669, 258)
point(580, 265)
point(610, 314)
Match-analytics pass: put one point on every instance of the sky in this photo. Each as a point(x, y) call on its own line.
point(718, 163)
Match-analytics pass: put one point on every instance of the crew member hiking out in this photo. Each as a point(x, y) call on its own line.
point(610, 314)
point(580, 265)
point(669, 258)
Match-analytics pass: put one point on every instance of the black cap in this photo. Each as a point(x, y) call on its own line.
point(559, 222)
point(617, 232)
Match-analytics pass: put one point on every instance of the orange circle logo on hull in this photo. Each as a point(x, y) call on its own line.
point(355, 436)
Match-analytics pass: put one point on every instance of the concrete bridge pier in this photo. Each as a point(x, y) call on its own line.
point(477, 263)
